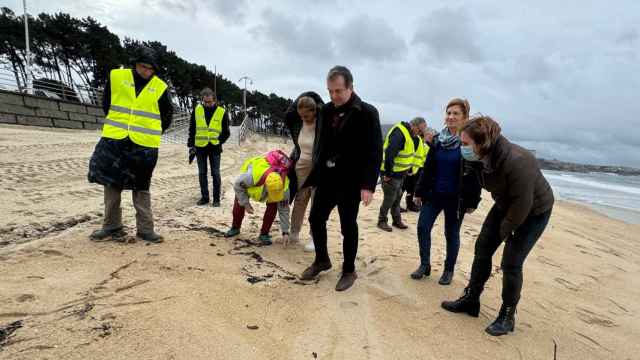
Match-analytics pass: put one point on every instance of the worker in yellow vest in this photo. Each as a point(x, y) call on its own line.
point(208, 130)
point(138, 110)
point(260, 181)
point(399, 150)
point(418, 164)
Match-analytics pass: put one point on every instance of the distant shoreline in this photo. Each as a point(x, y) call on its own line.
point(583, 168)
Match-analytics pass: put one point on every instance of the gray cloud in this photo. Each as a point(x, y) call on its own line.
point(371, 39)
point(351, 42)
point(449, 35)
point(307, 38)
point(228, 11)
point(628, 37)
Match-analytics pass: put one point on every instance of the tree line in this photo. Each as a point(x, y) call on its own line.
point(70, 53)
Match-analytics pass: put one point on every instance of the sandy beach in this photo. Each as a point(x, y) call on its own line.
point(201, 296)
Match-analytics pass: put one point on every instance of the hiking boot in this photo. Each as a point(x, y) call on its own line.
point(232, 232)
point(151, 237)
point(505, 323)
point(312, 271)
point(384, 226)
point(446, 278)
point(468, 303)
point(106, 235)
point(265, 239)
point(346, 281)
point(421, 271)
point(400, 225)
point(202, 201)
point(215, 203)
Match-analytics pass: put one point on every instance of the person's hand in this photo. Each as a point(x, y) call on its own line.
point(285, 240)
point(417, 201)
point(386, 178)
point(249, 209)
point(366, 196)
point(470, 211)
point(192, 150)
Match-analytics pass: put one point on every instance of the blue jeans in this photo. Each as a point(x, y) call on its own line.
point(428, 214)
point(214, 161)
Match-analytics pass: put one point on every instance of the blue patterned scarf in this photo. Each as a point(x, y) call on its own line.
point(448, 140)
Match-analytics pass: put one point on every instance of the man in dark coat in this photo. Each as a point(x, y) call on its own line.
point(121, 164)
point(346, 165)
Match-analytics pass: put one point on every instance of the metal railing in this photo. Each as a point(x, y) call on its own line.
point(244, 129)
point(52, 89)
point(178, 133)
point(248, 127)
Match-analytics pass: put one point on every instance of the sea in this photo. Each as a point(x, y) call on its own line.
point(614, 195)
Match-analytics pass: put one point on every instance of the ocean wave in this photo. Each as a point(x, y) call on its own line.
point(593, 183)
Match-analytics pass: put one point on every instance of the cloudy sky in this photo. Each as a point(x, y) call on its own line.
point(561, 77)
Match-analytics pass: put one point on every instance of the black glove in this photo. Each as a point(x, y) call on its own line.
point(192, 154)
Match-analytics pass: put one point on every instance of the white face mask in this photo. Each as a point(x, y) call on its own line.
point(468, 153)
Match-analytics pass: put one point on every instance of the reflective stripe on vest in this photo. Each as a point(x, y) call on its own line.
point(259, 165)
point(136, 117)
point(420, 158)
point(208, 134)
point(404, 160)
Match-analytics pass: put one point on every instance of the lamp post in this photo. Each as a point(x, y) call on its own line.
point(26, 36)
point(244, 92)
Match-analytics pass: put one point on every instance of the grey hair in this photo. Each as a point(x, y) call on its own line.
point(417, 121)
point(207, 92)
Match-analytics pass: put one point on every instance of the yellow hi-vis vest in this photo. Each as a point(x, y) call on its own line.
point(260, 165)
point(404, 160)
point(135, 117)
point(420, 157)
point(208, 134)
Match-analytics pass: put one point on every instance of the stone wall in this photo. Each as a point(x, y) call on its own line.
point(31, 110)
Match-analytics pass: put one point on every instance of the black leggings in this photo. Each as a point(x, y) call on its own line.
point(515, 252)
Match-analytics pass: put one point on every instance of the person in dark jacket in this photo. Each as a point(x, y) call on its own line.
point(398, 161)
point(523, 204)
point(206, 142)
point(301, 120)
point(346, 165)
point(447, 185)
point(124, 164)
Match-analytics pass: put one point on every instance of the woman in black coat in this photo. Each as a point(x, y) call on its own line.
point(523, 204)
point(301, 120)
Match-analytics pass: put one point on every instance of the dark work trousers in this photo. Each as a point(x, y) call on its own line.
point(205, 155)
point(517, 247)
point(328, 195)
point(392, 191)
